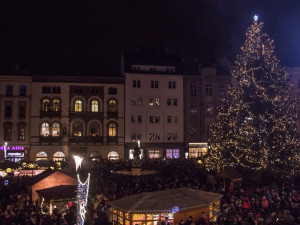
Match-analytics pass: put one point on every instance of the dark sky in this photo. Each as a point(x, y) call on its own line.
point(87, 37)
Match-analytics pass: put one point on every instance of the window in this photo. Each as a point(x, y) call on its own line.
point(193, 110)
point(197, 150)
point(208, 89)
point(8, 110)
point(139, 118)
point(78, 106)
point(169, 119)
point(21, 132)
point(140, 101)
point(95, 106)
point(154, 84)
point(7, 132)
point(209, 110)
point(133, 136)
point(9, 90)
point(45, 129)
point(193, 90)
point(41, 156)
point(113, 156)
point(56, 105)
point(132, 100)
point(22, 90)
point(55, 129)
point(132, 119)
point(175, 101)
point(136, 84)
point(172, 136)
point(154, 119)
point(112, 105)
point(151, 103)
point(154, 154)
point(193, 131)
point(112, 129)
point(112, 91)
point(55, 89)
point(169, 101)
point(77, 129)
point(222, 89)
point(94, 129)
point(154, 136)
point(157, 101)
point(46, 89)
point(46, 105)
point(58, 156)
point(22, 111)
point(172, 153)
point(172, 84)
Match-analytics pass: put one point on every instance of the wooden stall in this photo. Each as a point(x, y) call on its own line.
point(153, 207)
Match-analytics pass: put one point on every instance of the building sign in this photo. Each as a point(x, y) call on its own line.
point(12, 148)
point(15, 154)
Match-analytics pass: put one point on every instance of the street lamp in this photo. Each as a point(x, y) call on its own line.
point(4, 148)
point(82, 193)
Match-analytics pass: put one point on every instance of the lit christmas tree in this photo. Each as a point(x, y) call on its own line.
point(256, 125)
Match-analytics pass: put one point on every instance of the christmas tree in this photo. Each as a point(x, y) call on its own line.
point(256, 124)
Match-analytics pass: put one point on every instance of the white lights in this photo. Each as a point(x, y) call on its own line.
point(255, 18)
point(82, 194)
point(78, 161)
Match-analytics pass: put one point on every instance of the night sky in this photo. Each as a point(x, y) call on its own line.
point(87, 37)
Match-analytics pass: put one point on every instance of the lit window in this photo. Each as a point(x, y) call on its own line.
point(193, 110)
point(151, 103)
point(112, 105)
point(112, 130)
point(157, 101)
point(56, 129)
point(95, 106)
point(94, 130)
point(113, 156)
point(78, 106)
point(154, 154)
point(172, 153)
point(58, 156)
point(45, 129)
point(56, 105)
point(46, 105)
point(77, 129)
point(41, 156)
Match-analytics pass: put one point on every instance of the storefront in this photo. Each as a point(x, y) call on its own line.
point(197, 150)
point(14, 153)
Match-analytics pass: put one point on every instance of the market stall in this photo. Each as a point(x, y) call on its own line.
point(153, 207)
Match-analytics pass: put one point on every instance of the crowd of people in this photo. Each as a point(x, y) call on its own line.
point(240, 205)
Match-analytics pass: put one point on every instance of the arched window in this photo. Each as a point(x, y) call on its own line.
point(41, 156)
point(78, 105)
point(95, 156)
point(58, 156)
point(95, 106)
point(113, 156)
point(56, 105)
point(46, 105)
point(45, 129)
point(94, 129)
point(77, 129)
point(56, 129)
point(112, 129)
point(112, 105)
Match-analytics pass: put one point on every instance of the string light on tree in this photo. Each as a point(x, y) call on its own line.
point(255, 18)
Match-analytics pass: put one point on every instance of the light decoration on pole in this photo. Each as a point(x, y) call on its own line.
point(4, 148)
point(82, 193)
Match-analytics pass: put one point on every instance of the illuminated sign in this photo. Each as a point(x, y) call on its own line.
point(12, 148)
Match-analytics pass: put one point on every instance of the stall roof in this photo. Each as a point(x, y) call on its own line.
point(58, 192)
point(164, 201)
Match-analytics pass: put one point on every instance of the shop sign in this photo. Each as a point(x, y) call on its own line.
point(12, 148)
point(15, 154)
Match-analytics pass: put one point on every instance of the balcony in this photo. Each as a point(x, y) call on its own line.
point(86, 140)
point(50, 139)
point(112, 115)
point(50, 114)
point(87, 115)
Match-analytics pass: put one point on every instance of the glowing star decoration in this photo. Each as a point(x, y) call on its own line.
point(255, 18)
point(78, 161)
point(175, 209)
point(8, 170)
point(82, 195)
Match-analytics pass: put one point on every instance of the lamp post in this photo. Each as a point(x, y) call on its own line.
point(4, 148)
point(82, 193)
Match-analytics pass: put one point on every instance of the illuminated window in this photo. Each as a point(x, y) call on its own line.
point(78, 106)
point(151, 102)
point(56, 105)
point(46, 105)
point(112, 129)
point(157, 101)
point(94, 129)
point(197, 150)
point(41, 156)
point(58, 156)
point(55, 129)
point(77, 129)
point(172, 153)
point(113, 156)
point(112, 105)
point(95, 106)
point(154, 154)
point(45, 129)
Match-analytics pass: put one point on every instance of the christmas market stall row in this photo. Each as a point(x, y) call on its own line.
point(153, 207)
